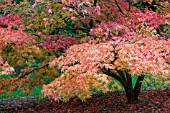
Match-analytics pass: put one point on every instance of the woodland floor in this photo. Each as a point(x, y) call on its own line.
point(150, 101)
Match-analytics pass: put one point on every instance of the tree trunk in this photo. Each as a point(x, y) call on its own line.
point(133, 93)
point(126, 80)
point(130, 96)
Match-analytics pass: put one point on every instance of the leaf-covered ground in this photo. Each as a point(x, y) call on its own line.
point(150, 101)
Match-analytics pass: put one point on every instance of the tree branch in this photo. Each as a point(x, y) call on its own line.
point(129, 1)
point(114, 75)
point(22, 76)
point(122, 75)
point(119, 7)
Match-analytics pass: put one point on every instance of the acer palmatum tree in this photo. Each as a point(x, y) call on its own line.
point(90, 65)
point(121, 47)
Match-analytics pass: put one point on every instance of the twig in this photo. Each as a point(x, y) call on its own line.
point(119, 7)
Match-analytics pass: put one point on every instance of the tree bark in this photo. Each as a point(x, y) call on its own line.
point(133, 93)
point(130, 95)
point(138, 85)
point(126, 80)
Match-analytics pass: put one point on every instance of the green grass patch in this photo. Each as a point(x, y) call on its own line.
point(18, 93)
point(6, 76)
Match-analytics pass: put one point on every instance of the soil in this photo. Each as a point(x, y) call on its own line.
point(150, 101)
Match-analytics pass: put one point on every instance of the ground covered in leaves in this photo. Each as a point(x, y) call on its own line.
point(157, 101)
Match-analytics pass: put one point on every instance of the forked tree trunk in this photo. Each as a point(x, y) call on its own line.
point(133, 93)
point(126, 80)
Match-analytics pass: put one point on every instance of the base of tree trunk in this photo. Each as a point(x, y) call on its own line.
point(132, 101)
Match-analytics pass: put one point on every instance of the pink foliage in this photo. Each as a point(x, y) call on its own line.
point(12, 20)
point(109, 29)
point(53, 43)
point(8, 36)
point(148, 55)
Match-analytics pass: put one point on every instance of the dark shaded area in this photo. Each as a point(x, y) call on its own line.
point(112, 102)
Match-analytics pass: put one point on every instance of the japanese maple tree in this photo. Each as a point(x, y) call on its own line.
point(88, 66)
point(120, 47)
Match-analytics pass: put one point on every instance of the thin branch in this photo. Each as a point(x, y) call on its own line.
point(22, 76)
point(119, 7)
point(129, 1)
